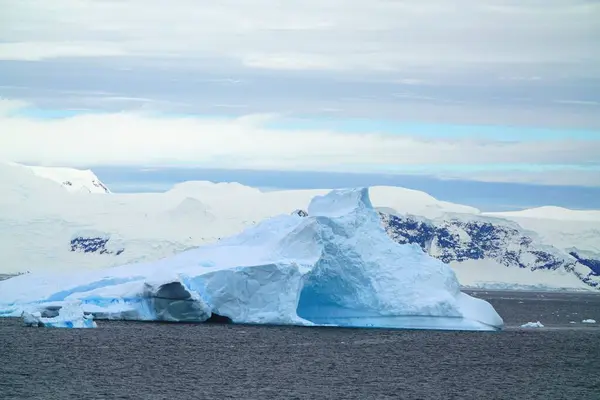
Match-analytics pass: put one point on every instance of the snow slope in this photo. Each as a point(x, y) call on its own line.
point(74, 180)
point(337, 266)
point(551, 212)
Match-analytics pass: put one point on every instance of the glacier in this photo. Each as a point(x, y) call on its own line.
point(334, 265)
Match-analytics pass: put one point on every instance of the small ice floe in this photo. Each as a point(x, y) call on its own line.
point(588, 321)
point(69, 316)
point(537, 324)
point(572, 322)
point(32, 319)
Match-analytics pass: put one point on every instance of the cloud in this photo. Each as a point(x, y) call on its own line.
point(503, 62)
point(249, 142)
point(36, 51)
point(552, 177)
point(378, 35)
point(287, 61)
point(579, 102)
point(411, 81)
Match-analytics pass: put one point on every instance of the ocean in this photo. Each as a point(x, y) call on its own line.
point(134, 360)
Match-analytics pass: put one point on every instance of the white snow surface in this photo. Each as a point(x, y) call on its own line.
point(551, 212)
point(335, 267)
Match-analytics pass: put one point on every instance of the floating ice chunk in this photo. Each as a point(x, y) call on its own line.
point(70, 315)
point(537, 324)
point(335, 266)
point(588, 321)
point(32, 319)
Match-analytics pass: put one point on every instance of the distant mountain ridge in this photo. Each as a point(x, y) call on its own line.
point(48, 224)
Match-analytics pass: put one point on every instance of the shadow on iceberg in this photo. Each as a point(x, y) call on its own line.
point(175, 303)
point(333, 266)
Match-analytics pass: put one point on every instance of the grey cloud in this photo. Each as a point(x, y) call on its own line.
point(452, 97)
point(565, 177)
point(468, 61)
point(354, 34)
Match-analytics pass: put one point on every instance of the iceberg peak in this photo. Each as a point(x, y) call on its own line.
point(340, 202)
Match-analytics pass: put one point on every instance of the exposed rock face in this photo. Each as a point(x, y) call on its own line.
point(93, 244)
point(477, 238)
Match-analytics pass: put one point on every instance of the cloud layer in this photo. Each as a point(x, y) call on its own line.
point(309, 34)
point(248, 142)
point(469, 61)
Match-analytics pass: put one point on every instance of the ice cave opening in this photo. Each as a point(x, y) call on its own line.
point(327, 299)
point(218, 319)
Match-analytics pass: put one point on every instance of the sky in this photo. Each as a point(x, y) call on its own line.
point(502, 96)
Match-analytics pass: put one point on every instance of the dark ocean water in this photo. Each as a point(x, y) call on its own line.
point(122, 360)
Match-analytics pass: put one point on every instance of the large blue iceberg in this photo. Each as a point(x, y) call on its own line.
point(335, 266)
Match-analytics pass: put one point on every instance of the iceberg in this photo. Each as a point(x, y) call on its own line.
point(537, 324)
point(334, 265)
point(69, 316)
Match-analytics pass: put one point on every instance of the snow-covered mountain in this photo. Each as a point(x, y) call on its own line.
point(493, 252)
point(44, 225)
point(73, 180)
